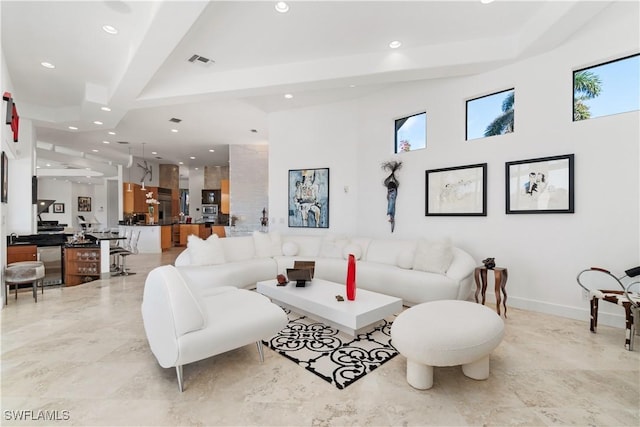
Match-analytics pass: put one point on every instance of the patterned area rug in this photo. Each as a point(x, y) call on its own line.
point(330, 354)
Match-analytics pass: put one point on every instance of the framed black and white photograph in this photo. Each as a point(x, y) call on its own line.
point(456, 191)
point(5, 178)
point(58, 208)
point(84, 204)
point(542, 185)
point(309, 198)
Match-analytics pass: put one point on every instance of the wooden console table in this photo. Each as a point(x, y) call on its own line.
point(501, 274)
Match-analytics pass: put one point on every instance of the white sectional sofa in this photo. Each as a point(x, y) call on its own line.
point(417, 270)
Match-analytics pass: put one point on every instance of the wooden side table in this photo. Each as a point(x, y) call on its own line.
point(501, 274)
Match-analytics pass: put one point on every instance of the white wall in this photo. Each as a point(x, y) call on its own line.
point(318, 137)
point(60, 191)
point(543, 252)
point(64, 191)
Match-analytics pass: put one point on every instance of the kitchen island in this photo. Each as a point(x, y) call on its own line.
point(150, 240)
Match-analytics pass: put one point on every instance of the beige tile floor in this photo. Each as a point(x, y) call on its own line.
point(81, 351)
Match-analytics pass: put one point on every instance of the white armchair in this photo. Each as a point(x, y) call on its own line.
point(184, 324)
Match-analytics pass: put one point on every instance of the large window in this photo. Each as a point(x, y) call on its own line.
point(411, 133)
point(605, 89)
point(490, 115)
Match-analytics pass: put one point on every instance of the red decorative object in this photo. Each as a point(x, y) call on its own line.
point(12, 115)
point(351, 278)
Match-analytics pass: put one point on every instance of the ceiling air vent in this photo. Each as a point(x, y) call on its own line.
point(174, 120)
point(122, 142)
point(200, 59)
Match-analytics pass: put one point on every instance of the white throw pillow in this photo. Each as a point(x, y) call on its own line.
point(352, 248)
point(267, 244)
point(332, 246)
point(433, 256)
point(405, 259)
point(205, 252)
point(290, 249)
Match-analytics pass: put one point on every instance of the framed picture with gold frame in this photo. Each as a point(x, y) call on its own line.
point(84, 204)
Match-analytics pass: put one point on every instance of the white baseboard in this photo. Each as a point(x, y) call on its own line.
point(577, 313)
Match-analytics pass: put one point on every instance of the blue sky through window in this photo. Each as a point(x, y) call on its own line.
point(620, 83)
point(482, 111)
point(412, 132)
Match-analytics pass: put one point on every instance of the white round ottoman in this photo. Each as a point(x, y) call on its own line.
point(446, 333)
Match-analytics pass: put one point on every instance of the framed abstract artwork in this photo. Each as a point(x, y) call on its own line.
point(542, 185)
point(456, 191)
point(84, 204)
point(309, 198)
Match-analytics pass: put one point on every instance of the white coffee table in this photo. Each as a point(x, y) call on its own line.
point(318, 300)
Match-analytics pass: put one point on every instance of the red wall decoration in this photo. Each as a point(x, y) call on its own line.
point(12, 115)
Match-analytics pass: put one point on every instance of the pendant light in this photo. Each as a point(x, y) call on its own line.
point(145, 163)
point(129, 183)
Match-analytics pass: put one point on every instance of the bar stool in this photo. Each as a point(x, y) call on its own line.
point(132, 250)
point(18, 273)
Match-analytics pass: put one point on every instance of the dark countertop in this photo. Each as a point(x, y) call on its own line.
point(104, 236)
point(49, 239)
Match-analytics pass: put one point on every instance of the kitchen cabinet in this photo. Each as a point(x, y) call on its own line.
point(166, 237)
point(199, 230)
point(224, 196)
point(134, 201)
point(19, 253)
point(219, 230)
point(81, 265)
point(175, 231)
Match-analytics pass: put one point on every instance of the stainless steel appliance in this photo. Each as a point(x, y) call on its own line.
point(51, 257)
point(210, 210)
point(210, 213)
point(164, 206)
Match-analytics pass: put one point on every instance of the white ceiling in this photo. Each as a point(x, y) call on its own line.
point(320, 51)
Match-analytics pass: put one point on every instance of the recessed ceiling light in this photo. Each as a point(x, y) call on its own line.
point(48, 165)
point(192, 158)
point(47, 65)
point(288, 95)
point(97, 122)
point(37, 167)
point(73, 128)
point(486, 1)
point(87, 169)
point(395, 44)
point(181, 163)
point(105, 108)
point(282, 7)
point(111, 133)
point(212, 150)
point(154, 152)
point(352, 85)
point(109, 29)
point(174, 130)
point(196, 168)
point(94, 150)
